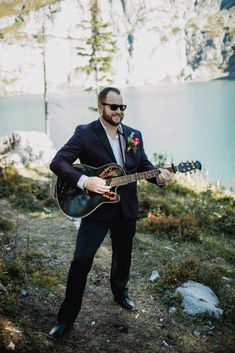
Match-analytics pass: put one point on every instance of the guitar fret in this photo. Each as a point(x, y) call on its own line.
point(133, 177)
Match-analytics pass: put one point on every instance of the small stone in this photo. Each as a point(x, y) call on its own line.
point(172, 310)
point(155, 275)
point(2, 288)
point(51, 295)
point(196, 333)
point(227, 286)
point(46, 210)
point(23, 293)
point(11, 346)
point(225, 278)
point(146, 253)
point(166, 344)
point(210, 333)
point(219, 258)
point(168, 248)
point(161, 320)
point(93, 323)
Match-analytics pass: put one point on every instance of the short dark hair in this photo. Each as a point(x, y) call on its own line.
point(103, 94)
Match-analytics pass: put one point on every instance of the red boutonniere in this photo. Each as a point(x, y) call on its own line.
point(132, 143)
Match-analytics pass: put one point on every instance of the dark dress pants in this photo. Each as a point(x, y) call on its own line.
point(90, 236)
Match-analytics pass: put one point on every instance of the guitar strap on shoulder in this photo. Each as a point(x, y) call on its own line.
point(122, 144)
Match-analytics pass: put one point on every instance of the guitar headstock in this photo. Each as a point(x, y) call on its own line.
point(185, 167)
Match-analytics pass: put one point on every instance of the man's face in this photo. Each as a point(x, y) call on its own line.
point(113, 117)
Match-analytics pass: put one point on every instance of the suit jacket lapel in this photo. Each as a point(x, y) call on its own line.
point(126, 133)
point(103, 137)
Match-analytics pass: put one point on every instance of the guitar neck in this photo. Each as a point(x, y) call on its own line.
point(131, 178)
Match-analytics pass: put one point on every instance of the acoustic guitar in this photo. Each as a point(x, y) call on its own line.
point(78, 203)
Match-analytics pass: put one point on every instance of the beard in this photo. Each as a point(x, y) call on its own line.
point(111, 119)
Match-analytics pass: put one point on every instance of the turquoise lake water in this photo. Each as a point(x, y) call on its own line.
point(184, 121)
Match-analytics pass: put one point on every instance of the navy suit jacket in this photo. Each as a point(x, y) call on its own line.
point(90, 145)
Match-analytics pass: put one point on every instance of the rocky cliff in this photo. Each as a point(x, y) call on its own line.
point(71, 44)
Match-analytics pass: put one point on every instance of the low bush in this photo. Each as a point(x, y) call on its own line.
point(25, 193)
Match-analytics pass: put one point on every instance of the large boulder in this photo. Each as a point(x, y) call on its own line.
point(27, 149)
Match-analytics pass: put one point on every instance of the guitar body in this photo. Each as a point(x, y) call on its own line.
point(78, 203)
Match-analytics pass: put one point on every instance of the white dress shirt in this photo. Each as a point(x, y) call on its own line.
point(115, 145)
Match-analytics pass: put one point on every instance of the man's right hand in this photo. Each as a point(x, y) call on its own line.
point(96, 184)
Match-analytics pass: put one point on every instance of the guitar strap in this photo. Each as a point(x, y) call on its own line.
point(122, 144)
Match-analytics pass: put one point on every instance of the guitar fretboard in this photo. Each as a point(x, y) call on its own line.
point(131, 178)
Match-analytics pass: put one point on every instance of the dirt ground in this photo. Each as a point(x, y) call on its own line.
point(102, 326)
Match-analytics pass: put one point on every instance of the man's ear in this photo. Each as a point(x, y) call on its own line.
point(100, 109)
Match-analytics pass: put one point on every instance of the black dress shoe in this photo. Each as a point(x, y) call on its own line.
point(59, 330)
point(125, 303)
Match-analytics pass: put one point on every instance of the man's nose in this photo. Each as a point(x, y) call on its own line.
point(118, 110)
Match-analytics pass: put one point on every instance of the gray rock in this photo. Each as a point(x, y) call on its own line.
point(23, 293)
point(227, 285)
point(210, 333)
point(168, 248)
point(155, 275)
point(166, 344)
point(47, 210)
point(2, 288)
point(27, 148)
point(196, 333)
point(172, 310)
point(199, 299)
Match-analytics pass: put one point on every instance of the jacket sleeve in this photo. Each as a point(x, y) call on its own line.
point(61, 164)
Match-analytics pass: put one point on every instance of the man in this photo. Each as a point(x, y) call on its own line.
point(100, 142)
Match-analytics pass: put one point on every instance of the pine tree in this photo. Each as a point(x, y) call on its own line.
point(99, 49)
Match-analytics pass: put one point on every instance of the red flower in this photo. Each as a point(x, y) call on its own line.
point(132, 143)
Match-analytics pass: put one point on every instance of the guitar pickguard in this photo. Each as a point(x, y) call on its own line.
point(111, 171)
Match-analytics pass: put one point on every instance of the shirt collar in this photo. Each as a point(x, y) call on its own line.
point(120, 128)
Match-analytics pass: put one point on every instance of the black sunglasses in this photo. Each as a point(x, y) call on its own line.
point(116, 106)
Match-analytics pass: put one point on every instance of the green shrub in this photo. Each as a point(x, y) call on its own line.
point(178, 272)
point(228, 298)
point(9, 304)
point(6, 225)
point(178, 211)
point(24, 193)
